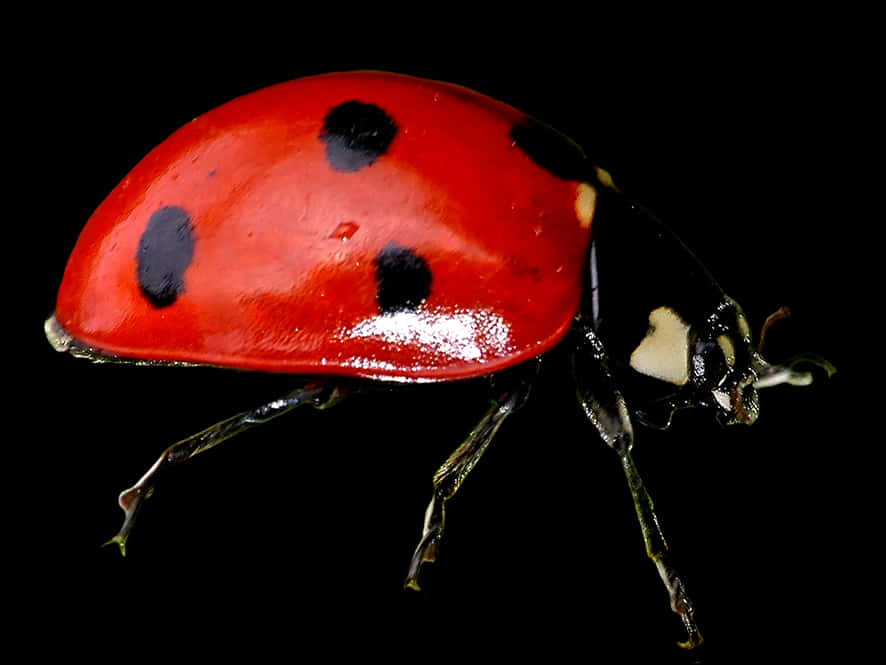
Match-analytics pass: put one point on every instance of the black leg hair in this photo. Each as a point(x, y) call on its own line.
point(606, 409)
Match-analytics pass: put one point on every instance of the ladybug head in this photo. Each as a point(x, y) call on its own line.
point(723, 368)
point(725, 365)
point(708, 362)
point(733, 369)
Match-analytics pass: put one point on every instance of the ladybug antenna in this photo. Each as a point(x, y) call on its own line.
point(782, 312)
point(773, 375)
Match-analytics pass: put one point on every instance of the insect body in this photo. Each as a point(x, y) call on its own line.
point(382, 227)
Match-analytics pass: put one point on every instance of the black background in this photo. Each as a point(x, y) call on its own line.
point(296, 536)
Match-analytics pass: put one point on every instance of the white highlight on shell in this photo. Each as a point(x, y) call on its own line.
point(664, 353)
point(461, 335)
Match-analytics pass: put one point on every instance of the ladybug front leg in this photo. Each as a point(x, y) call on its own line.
point(317, 394)
point(606, 409)
point(455, 469)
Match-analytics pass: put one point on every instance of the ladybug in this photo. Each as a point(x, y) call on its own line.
point(381, 227)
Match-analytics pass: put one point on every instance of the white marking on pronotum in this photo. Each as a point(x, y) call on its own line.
point(664, 353)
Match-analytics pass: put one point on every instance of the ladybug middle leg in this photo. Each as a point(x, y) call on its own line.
point(511, 391)
point(320, 394)
point(606, 409)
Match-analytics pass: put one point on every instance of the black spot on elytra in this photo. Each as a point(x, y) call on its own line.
point(551, 150)
point(165, 250)
point(402, 277)
point(356, 134)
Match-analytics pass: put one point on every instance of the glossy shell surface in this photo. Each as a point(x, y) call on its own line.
point(360, 224)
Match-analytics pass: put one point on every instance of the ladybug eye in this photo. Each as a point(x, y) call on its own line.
point(710, 361)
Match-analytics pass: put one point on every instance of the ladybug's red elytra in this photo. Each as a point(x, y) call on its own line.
point(361, 225)
point(376, 226)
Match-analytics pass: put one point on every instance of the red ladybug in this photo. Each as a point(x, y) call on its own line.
point(384, 227)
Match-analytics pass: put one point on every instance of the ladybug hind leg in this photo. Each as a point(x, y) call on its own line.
point(511, 391)
point(606, 409)
point(318, 394)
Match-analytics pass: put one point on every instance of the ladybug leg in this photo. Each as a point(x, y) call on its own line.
point(455, 469)
point(317, 394)
point(607, 411)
